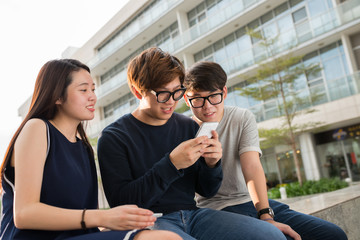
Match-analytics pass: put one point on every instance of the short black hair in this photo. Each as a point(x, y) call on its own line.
point(205, 76)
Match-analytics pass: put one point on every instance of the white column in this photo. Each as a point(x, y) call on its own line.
point(307, 147)
point(183, 24)
point(349, 53)
point(188, 60)
point(182, 20)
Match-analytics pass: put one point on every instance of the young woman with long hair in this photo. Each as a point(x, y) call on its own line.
point(48, 176)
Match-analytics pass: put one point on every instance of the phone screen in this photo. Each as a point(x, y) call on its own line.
point(206, 128)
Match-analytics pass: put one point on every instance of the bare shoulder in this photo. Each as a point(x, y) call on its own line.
point(34, 125)
point(34, 130)
point(31, 144)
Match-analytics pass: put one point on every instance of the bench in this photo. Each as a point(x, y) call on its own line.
point(340, 207)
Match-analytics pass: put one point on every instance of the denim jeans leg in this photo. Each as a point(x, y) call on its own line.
point(208, 224)
point(175, 222)
point(309, 227)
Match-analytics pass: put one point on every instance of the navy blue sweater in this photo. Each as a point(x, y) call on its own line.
point(136, 169)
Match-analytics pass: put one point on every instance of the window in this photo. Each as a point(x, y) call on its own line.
point(295, 2)
point(267, 17)
point(299, 15)
point(280, 9)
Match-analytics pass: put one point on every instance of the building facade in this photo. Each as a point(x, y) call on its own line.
point(326, 32)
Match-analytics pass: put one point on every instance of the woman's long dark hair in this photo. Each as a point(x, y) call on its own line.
point(51, 84)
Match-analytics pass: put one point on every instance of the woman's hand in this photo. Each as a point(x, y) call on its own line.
point(127, 217)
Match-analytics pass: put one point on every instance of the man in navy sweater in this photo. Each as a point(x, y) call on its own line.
point(150, 158)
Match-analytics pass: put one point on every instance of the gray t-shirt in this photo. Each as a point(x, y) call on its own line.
point(238, 133)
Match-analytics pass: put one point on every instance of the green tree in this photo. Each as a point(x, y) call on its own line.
point(276, 78)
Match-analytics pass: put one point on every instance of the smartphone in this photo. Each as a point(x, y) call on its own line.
point(206, 128)
point(157, 215)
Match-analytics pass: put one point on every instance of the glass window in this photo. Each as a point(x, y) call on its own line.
point(248, 3)
point(311, 58)
point(210, 3)
point(245, 58)
point(255, 39)
point(329, 51)
point(254, 24)
point(300, 82)
point(209, 59)
point(198, 56)
point(208, 51)
point(241, 32)
point(333, 68)
point(220, 55)
point(192, 14)
point(192, 22)
point(271, 113)
point(316, 7)
point(280, 9)
point(229, 39)
point(266, 17)
point(244, 42)
point(303, 31)
point(316, 82)
point(201, 17)
point(258, 112)
point(295, 2)
point(338, 88)
point(200, 7)
point(270, 30)
point(240, 100)
point(319, 90)
point(299, 14)
point(218, 45)
point(285, 23)
point(270, 104)
point(231, 49)
point(230, 100)
point(304, 102)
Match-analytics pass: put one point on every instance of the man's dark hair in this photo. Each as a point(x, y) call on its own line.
point(205, 76)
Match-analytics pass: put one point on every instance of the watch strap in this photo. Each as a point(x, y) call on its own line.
point(264, 211)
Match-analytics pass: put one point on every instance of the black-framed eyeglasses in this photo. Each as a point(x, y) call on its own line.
point(214, 99)
point(164, 96)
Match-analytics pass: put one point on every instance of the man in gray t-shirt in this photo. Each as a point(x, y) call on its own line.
point(243, 189)
point(237, 137)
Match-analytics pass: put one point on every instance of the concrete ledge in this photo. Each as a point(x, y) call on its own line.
point(340, 207)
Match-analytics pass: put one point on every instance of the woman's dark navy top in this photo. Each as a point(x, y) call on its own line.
point(69, 181)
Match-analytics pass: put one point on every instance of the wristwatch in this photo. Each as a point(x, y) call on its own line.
point(266, 210)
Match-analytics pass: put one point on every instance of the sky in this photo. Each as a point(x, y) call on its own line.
point(34, 32)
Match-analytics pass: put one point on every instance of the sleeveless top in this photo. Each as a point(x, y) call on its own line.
point(69, 181)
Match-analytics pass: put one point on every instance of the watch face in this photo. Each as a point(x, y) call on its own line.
point(271, 212)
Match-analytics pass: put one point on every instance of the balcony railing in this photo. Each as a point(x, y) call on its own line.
point(310, 29)
point(139, 25)
point(214, 19)
point(336, 89)
point(113, 83)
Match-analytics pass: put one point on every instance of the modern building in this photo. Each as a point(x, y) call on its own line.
point(326, 32)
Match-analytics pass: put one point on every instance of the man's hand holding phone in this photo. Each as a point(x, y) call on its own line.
point(206, 144)
point(213, 153)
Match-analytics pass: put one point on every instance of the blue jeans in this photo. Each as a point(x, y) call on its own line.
point(309, 227)
point(208, 224)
